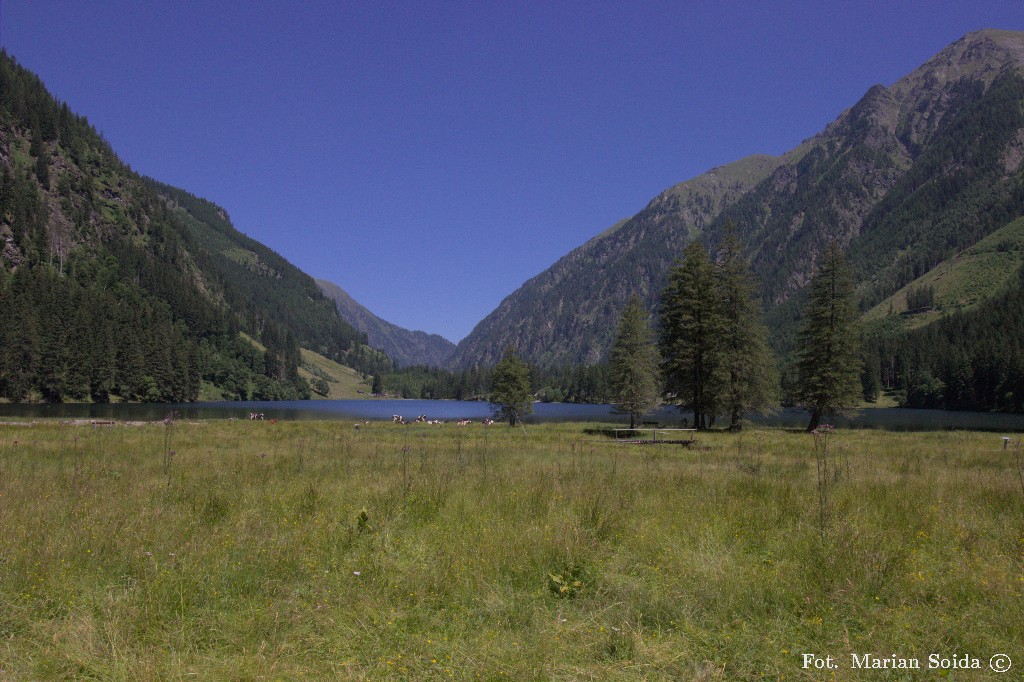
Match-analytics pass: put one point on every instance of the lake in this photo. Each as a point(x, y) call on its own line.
point(886, 418)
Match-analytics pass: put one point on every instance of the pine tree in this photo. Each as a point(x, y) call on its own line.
point(691, 320)
point(38, 149)
point(19, 340)
point(511, 393)
point(634, 363)
point(829, 358)
point(748, 366)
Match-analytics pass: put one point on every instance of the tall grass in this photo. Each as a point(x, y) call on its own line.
point(305, 550)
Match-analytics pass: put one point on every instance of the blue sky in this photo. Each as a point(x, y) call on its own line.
point(431, 157)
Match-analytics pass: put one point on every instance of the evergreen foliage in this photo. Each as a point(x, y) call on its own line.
point(691, 327)
point(750, 381)
point(829, 357)
point(920, 298)
point(714, 347)
point(580, 384)
point(634, 371)
point(118, 287)
point(434, 383)
point(970, 360)
point(511, 392)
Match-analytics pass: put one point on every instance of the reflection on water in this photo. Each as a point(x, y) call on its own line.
point(886, 418)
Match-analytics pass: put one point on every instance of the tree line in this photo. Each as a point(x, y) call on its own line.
point(710, 355)
point(574, 384)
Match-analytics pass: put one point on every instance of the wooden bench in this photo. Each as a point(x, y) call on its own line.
point(622, 436)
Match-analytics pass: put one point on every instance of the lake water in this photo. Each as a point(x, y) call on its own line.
point(886, 418)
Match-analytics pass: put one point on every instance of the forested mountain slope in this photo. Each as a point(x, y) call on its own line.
point(403, 346)
point(905, 179)
point(114, 286)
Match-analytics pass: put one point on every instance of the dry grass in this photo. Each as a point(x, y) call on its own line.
point(249, 555)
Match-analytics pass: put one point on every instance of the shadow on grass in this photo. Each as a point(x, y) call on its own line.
point(603, 431)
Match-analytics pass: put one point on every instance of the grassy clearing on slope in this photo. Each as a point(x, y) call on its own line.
point(963, 281)
point(299, 550)
point(342, 382)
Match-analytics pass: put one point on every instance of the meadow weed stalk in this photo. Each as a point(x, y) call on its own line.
point(168, 458)
point(1018, 454)
point(827, 473)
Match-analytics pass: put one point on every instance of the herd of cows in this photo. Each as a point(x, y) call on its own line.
point(398, 419)
point(422, 419)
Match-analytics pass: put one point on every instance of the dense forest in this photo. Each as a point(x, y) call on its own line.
point(971, 360)
point(115, 286)
point(580, 384)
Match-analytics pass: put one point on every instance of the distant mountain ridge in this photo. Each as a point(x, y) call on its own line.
point(906, 178)
point(403, 346)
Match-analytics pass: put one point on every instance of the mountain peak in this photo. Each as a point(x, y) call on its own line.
point(982, 55)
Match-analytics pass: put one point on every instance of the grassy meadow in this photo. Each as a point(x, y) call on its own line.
point(315, 550)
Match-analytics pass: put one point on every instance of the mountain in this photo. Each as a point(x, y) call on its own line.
point(905, 179)
point(568, 313)
point(118, 287)
point(403, 346)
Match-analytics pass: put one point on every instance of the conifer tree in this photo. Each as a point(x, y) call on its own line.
point(691, 321)
point(748, 366)
point(511, 393)
point(634, 363)
point(38, 149)
point(18, 340)
point(829, 358)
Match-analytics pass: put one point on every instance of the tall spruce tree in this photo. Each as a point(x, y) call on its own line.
point(634, 363)
point(748, 366)
point(829, 358)
point(691, 322)
point(511, 394)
